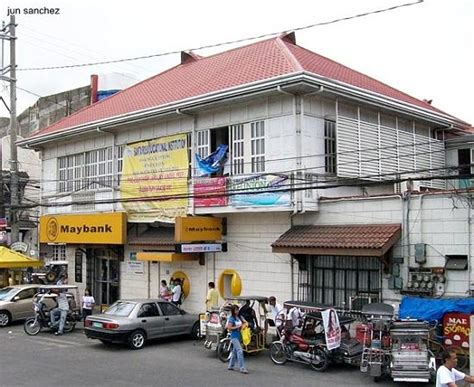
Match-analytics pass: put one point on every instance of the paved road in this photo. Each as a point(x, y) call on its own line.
point(73, 360)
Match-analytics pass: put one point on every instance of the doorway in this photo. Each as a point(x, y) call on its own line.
point(105, 276)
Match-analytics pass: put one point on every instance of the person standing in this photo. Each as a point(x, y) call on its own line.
point(176, 298)
point(274, 308)
point(212, 298)
point(234, 325)
point(447, 375)
point(165, 291)
point(88, 303)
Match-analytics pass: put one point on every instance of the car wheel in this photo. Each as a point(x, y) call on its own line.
point(196, 331)
point(136, 340)
point(5, 318)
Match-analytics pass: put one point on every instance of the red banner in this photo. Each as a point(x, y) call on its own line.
point(210, 192)
point(456, 329)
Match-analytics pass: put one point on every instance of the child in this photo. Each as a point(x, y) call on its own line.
point(88, 303)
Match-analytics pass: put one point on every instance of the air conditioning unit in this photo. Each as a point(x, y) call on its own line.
point(408, 185)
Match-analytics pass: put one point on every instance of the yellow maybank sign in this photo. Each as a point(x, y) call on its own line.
point(109, 228)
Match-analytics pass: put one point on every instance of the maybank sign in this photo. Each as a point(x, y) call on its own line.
point(107, 228)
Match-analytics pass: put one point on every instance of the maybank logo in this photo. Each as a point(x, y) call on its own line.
point(85, 229)
point(52, 229)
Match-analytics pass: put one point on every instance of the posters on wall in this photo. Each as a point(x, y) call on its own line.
point(154, 179)
point(332, 329)
point(135, 267)
point(259, 190)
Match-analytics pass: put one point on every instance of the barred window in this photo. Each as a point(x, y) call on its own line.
point(257, 141)
point(330, 156)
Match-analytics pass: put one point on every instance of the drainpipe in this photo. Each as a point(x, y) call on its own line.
point(469, 255)
point(149, 279)
point(406, 199)
point(193, 151)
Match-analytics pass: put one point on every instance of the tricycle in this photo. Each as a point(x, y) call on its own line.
point(253, 310)
point(396, 348)
point(311, 343)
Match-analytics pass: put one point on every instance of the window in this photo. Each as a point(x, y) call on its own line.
point(237, 149)
point(337, 280)
point(59, 252)
point(257, 135)
point(330, 156)
point(119, 163)
point(88, 170)
point(169, 309)
point(148, 310)
point(202, 143)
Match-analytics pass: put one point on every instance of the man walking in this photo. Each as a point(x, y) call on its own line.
point(447, 374)
point(212, 298)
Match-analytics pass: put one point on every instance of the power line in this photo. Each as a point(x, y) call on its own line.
point(267, 35)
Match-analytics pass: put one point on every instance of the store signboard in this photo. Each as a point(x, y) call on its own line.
point(198, 228)
point(456, 329)
point(103, 228)
point(135, 267)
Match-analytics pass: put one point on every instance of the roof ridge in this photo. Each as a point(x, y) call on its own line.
point(431, 107)
point(288, 54)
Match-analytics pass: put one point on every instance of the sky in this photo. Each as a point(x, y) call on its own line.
point(425, 50)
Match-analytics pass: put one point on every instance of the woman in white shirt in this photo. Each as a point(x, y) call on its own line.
point(88, 303)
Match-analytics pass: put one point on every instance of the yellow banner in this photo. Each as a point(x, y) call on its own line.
point(106, 228)
point(155, 178)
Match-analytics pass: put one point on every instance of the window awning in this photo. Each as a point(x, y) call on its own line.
point(10, 259)
point(165, 256)
point(354, 240)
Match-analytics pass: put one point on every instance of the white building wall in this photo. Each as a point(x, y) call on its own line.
point(441, 222)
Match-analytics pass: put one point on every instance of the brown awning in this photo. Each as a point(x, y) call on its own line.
point(354, 240)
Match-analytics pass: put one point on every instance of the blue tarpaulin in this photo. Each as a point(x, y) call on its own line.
point(213, 162)
point(433, 309)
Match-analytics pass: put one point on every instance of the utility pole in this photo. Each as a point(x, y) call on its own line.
point(14, 197)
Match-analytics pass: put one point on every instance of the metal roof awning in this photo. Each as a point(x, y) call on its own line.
point(351, 240)
point(159, 256)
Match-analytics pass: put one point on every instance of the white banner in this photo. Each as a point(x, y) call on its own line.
point(332, 329)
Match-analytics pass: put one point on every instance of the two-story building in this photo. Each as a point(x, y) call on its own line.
point(288, 127)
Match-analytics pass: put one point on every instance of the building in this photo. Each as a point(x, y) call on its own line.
point(285, 127)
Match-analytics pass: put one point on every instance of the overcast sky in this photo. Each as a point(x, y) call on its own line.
point(425, 50)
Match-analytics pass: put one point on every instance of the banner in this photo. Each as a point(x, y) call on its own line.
point(255, 191)
point(156, 169)
point(332, 329)
point(210, 192)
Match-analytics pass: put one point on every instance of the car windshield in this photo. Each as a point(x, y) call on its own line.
point(7, 293)
point(120, 309)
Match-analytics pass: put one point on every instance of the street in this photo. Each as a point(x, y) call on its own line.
point(74, 360)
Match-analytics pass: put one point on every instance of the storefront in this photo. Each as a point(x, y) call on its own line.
point(95, 245)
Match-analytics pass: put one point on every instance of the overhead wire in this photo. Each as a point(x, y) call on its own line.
point(267, 35)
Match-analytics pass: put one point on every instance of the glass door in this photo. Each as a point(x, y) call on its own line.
point(107, 279)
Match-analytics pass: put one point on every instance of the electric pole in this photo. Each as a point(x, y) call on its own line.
point(9, 34)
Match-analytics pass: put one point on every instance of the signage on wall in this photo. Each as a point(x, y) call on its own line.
point(210, 192)
point(78, 266)
point(201, 248)
point(259, 191)
point(104, 228)
point(198, 228)
point(135, 267)
point(456, 329)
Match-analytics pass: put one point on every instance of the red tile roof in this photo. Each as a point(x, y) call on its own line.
point(372, 236)
point(244, 65)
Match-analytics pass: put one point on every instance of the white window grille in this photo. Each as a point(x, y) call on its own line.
point(203, 143)
point(330, 146)
point(88, 171)
point(237, 149)
point(257, 141)
point(59, 252)
point(119, 163)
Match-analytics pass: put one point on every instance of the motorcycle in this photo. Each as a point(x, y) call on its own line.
point(294, 347)
point(42, 318)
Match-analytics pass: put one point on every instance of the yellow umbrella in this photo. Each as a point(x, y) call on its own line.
point(10, 259)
